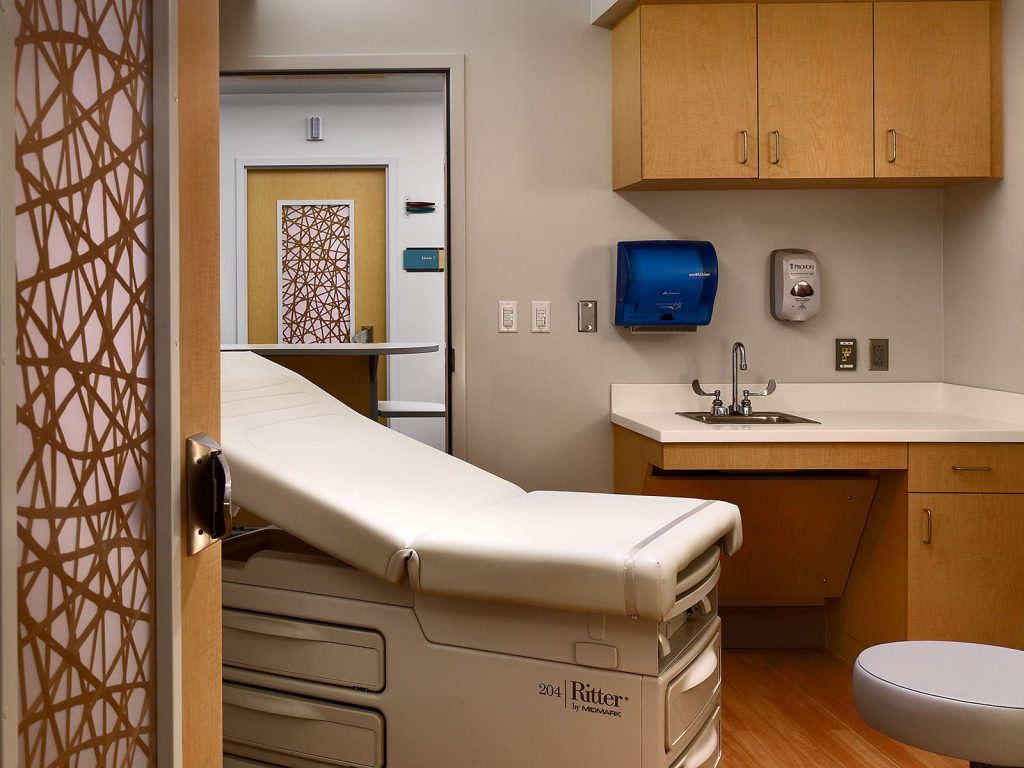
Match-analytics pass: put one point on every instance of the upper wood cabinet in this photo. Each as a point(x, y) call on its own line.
point(668, 61)
point(932, 89)
point(827, 93)
point(814, 90)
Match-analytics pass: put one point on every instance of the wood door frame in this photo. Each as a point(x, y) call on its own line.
point(167, 362)
point(166, 531)
point(392, 204)
point(453, 67)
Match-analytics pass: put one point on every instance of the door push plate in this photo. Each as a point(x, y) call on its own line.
point(209, 511)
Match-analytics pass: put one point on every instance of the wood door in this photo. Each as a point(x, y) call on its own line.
point(815, 90)
point(968, 583)
point(933, 89)
point(699, 91)
point(345, 378)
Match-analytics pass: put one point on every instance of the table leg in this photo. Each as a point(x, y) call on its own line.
point(373, 360)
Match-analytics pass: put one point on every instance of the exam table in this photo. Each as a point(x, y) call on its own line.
point(407, 609)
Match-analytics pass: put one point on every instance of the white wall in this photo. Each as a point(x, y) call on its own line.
point(543, 222)
point(984, 249)
point(409, 127)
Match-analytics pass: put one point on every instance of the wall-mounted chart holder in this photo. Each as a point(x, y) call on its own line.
point(423, 260)
point(413, 207)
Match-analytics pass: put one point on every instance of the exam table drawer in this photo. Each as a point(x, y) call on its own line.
point(706, 749)
point(298, 732)
point(965, 468)
point(309, 650)
point(690, 689)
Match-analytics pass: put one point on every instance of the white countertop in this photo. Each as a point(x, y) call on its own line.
point(849, 413)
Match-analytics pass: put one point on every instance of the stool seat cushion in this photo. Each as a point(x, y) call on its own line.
point(958, 699)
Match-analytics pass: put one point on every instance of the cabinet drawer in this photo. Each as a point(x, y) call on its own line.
point(299, 732)
point(966, 468)
point(309, 650)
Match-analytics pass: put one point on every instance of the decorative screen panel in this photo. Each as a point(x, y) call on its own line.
point(316, 264)
point(84, 248)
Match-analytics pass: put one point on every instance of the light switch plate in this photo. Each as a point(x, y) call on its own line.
point(508, 316)
point(540, 317)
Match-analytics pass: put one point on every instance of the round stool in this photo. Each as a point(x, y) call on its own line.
point(957, 699)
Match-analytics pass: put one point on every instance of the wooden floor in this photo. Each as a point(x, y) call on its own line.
point(794, 709)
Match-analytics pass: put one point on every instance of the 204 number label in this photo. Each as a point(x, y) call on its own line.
point(547, 689)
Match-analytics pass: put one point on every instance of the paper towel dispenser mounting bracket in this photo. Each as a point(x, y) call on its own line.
point(664, 286)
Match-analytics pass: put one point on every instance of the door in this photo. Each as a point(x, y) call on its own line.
point(814, 90)
point(964, 579)
point(366, 191)
point(114, 627)
point(699, 91)
point(932, 89)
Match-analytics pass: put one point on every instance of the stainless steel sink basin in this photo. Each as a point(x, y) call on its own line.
point(765, 417)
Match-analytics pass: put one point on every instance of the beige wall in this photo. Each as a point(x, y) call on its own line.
point(543, 224)
point(984, 249)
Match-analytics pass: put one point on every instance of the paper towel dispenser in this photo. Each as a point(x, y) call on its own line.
point(665, 285)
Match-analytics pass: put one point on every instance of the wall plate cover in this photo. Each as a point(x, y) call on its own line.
point(846, 354)
point(586, 316)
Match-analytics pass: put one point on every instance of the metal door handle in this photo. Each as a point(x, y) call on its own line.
point(971, 469)
point(928, 526)
point(778, 147)
point(892, 145)
point(209, 510)
point(746, 147)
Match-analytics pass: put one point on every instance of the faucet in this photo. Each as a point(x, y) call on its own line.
point(738, 407)
point(739, 362)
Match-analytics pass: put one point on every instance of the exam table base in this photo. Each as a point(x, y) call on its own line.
point(441, 682)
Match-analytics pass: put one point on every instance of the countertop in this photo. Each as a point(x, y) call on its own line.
point(849, 413)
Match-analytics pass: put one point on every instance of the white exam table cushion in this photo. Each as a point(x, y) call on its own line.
point(392, 506)
point(332, 477)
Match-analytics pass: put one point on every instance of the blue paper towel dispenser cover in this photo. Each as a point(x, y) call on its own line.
point(665, 283)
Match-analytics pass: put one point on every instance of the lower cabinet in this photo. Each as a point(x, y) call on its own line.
point(965, 567)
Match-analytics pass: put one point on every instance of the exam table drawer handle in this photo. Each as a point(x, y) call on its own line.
point(928, 526)
point(971, 469)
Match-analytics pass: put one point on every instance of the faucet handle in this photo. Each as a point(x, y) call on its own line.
point(697, 389)
point(767, 390)
point(717, 406)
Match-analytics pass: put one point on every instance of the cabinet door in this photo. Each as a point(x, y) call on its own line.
point(932, 89)
point(699, 91)
point(967, 584)
point(814, 90)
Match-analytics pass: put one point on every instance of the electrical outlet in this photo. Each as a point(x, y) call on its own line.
point(540, 317)
point(879, 354)
point(508, 316)
point(846, 354)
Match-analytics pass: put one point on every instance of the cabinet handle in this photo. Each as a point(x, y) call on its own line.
point(928, 526)
point(971, 469)
point(778, 147)
point(892, 145)
point(746, 147)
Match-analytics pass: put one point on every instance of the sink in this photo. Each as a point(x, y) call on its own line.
point(766, 417)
